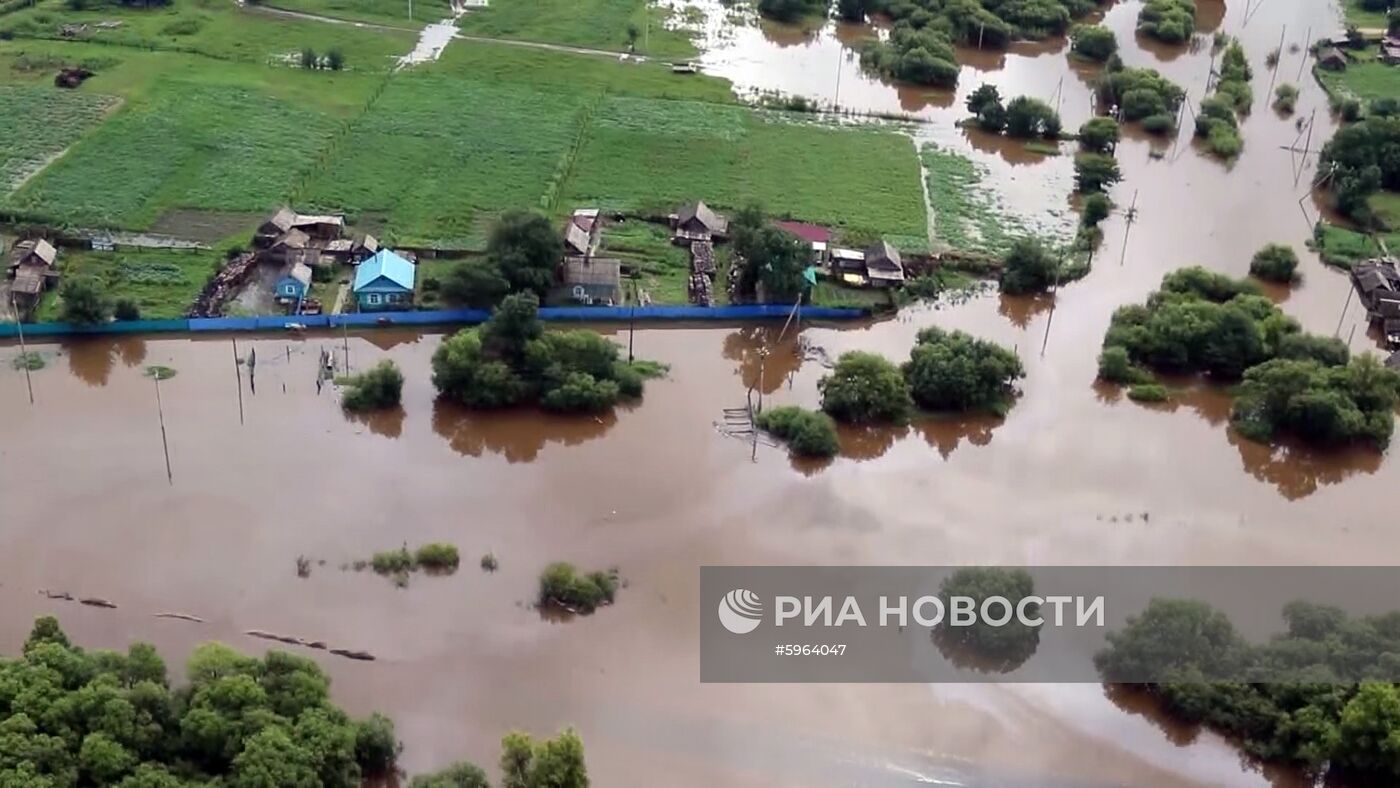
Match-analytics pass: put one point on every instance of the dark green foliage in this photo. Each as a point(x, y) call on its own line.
point(1170, 21)
point(1200, 321)
point(562, 585)
point(458, 775)
point(335, 59)
point(1148, 392)
point(1095, 172)
point(437, 557)
point(772, 258)
point(550, 763)
point(84, 304)
point(525, 248)
point(853, 10)
point(1028, 118)
point(1384, 107)
point(73, 717)
point(1140, 92)
point(1275, 263)
point(956, 371)
point(392, 562)
point(1099, 135)
point(309, 59)
point(1161, 123)
point(791, 10)
point(1224, 141)
point(377, 388)
point(126, 309)
point(1115, 366)
point(865, 388)
point(476, 284)
point(985, 105)
point(1094, 42)
point(922, 56)
point(376, 744)
point(998, 648)
point(808, 433)
point(1366, 157)
point(511, 360)
point(1028, 267)
point(1096, 208)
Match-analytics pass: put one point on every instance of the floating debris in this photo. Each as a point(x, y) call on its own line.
point(94, 601)
point(181, 616)
point(363, 656)
point(64, 595)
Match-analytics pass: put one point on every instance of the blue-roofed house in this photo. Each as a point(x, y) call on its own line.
point(384, 282)
point(293, 285)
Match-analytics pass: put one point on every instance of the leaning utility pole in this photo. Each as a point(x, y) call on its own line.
point(238, 376)
point(23, 350)
point(165, 444)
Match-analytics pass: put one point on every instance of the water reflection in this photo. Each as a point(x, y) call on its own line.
point(945, 434)
point(1022, 309)
point(1298, 471)
point(1012, 151)
point(386, 422)
point(91, 359)
point(517, 434)
point(788, 35)
point(766, 372)
point(1210, 15)
point(868, 442)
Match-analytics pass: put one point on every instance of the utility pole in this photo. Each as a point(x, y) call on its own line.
point(632, 322)
point(1307, 147)
point(238, 375)
point(836, 103)
point(23, 349)
point(165, 444)
point(1132, 215)
point(1304, 60)
point(1277, 62)
point(1343, 316)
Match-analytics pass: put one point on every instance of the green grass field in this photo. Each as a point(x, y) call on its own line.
point(662, 268)
point(439, 158)
point(966, 215)
point(37, 123)
point(1342, 247)
point(1366, 77)
point(599, 24)
point(393, 13)
point(650, 156)
point(1356, 15)
point(163, 283)
point(187, 146)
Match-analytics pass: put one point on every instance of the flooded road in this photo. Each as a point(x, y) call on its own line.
point(1074, 475)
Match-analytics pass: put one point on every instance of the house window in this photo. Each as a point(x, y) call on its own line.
point(392, 298)
point(373, 298)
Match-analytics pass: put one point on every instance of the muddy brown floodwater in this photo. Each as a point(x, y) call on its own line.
point(1074, 475)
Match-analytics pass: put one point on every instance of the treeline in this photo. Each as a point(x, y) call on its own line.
point(71, 717)
point(1218, 121)
point(1307, 697)
point(1362, 158)
point(1290, 382)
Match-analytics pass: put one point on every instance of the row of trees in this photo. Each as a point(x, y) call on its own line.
point(792, 10)
point(1023, 117)
point(511, 360)
point(946, 371)
point(1217, 122)
point(1301, 698)
point(1292, 382)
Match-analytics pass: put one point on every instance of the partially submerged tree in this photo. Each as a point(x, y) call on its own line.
point(954, 371)
point(377, 388)
point(808, 433)
point(1275, 263)
point(1094, 42)
point(1028, 267)
point(864, 388)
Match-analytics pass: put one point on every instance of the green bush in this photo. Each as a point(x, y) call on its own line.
point(956, 371)
point(1275, 263)
point(1029, 118)
point(1095, 172)
point(1028, 267)
point(563, 586)
point(1094, 42)
point(437, 557)
point(1096, 208)
point(865, 388)
point(1285, 98)
point(377, 747)
point(1224, 141)
point(1159, 124)
point(995, 648)
point(126, 309)
point(808, 433)
point(1139, 92)
point(1099, 135)
point(1148, 392)
point(1116, 367)
point(581, 393)
point(1169, 21)
point(392, 562)
point(379, 387)
point(82, 301)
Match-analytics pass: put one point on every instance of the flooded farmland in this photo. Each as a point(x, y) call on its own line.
point(1074, 475)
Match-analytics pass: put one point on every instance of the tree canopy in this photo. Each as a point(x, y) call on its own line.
point(1094, 42)
point(82, 301)
point(1364, 157)
point(772, 258)
point(1099, 135)
point(1275, 263)
point(1170, 21)
point(981, 645)
point(865, 388)
point(808, 433)
point(378, 387)
point(525, 248)
point(959, 372)
point(1140, 93)
point(1028, 267)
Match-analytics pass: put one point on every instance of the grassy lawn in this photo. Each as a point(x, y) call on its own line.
point(393, 13)
point(163, 283)
point(661, 268)
point(37, 123)
point(1356, 15)
point(649, 156)
point(218, 29)
point(504, 64)
point(966, 216)
point(1386, 206)
point(1342, 247)
point(600, 24)
point(181, 148)
point(441, 157)
point(1366, 77)
point(830, 294)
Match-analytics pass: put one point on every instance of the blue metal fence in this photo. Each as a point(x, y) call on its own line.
point(438, 317)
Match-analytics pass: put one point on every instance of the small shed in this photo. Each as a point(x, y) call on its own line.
point(577, 241)
point(275, 227)
point(590, 281)
point(34, 253)
point(384, 281)
point(848, 266)
point(696, 222)
point(293, 285)
point(321, 227)
point(1331, 59)
point(883, 265)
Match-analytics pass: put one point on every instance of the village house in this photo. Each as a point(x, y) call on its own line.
point(847, 266)
point(352, 250)
point(883, 266)
point(292, 287)
point(292, 248)
point(580, 232)
point(32, 271)
point(1331, 59)
point(384, 282)
point(696, 222)
point(322, 228)
point(816, 236)
point(589, 281)
point(1390, 50)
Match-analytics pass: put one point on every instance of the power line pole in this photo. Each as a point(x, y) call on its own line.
point(23, 349)
point(238, 376)
point(1132, 215)
point(165, 444)
point(1278, 61)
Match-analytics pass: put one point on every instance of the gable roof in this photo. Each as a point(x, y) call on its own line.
point(702, 213)
point(882, 255)
point(369, 243)
point(601, 271)
point(386, 264)
point(283, 219)
point(292, 239)
point(577, 238)
point(301, 272)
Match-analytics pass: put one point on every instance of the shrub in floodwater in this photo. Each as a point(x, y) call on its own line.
point(562, 585)
point(29, 360)
point(392, 561)
point(1161, 123)
point(1275, 263)
point(1098, 135)
point(159, 372)
point(1097, 207)
point(864, 388)
point(489, 562)
point(377, 747)
point(1115, 366)
point(808, 433)
point(983, 646)
point(437, 557)
point(1028, 267)
point(1148, 392)
point(1224, 141)
point(1285, 98)
point(955, 371)
point(381, 386)
point(1094, 42)
point(1095, 172)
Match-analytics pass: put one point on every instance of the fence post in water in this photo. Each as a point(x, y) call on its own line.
point(345, 336)
point(238, 376)
point(23, 349)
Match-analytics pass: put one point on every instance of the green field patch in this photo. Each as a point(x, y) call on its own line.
point(37, 123)
point(393, 13)
point(1357, 15)
point(439, 156)
point(188, 146)
point(1344, 247)
point(503, 63)
point(1386, 207)
point(162, 283)
point(1365, 77)
point(854, 178)
point(600, 24)
point(660, 268)
point(967, 215)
